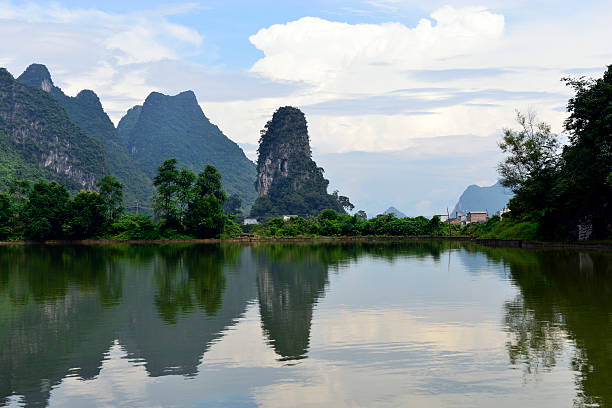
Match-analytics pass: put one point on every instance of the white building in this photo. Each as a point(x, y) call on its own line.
point(442, 217)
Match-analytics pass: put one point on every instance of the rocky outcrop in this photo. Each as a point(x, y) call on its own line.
point(288, 180)
point(284, 144)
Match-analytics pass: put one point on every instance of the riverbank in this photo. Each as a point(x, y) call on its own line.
point(491, 242)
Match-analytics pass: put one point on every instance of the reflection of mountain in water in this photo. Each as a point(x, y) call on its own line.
point(54, 319)
point(61, 308)
point(191, 279)
point(563, 295)
point(289, 284)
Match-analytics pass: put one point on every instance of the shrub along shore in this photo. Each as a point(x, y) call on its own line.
point(250, 239)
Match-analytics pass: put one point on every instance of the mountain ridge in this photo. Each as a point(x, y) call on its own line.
point(86, 111)
point(174, 126)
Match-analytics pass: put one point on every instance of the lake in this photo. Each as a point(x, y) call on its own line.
point(433, 324)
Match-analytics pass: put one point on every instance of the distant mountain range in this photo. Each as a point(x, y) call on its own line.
point(393, 210)
point(46, 134)
point(476, 198)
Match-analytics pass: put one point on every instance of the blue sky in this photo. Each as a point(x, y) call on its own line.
point(405, 99)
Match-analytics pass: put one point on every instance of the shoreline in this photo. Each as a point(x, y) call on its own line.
point(490, 242)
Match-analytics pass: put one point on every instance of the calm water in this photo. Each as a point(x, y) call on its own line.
point(322, 325)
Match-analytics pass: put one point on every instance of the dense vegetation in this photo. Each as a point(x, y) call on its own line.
point(331, 223)
point(175, 126)
point(186, 206)
point(289, 181)
point(566, 193)
point(39, 140)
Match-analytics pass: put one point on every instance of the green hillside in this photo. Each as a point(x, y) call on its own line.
point(86, 111)
point(175, 127)
point(38, 139)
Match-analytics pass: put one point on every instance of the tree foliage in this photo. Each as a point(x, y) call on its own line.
point(205, 217)
point(111, 193)
point(46, 211)
point(533, 151)
point(86, 216)
point(332, 223)
point(564, 193)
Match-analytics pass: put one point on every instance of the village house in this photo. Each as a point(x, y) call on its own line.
point(477, 216)
point(442, 217)
point(464, 219)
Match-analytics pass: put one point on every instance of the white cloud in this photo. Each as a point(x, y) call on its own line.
point(89, 48)
point(316, 50)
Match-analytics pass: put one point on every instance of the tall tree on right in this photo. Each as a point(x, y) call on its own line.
point(587, 161)
point(568, 195)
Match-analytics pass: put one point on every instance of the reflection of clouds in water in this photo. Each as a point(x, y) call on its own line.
point(393, 326)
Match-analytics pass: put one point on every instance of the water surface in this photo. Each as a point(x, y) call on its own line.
point(306, 325)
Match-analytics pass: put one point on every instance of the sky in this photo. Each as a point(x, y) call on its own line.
point(406, 100)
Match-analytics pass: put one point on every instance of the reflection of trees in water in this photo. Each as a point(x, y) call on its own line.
point(49, 299)
point(534, 343)
point(45, 273)
point(61, 307)
point(564, 294)
point(190, 278)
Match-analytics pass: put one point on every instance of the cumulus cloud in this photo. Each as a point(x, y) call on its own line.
point(312, 49)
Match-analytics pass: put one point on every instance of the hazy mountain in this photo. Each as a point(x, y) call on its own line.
point(86, 111)
point(476, 198)
point(395, 211)
point(38, 139)
point(167, 127)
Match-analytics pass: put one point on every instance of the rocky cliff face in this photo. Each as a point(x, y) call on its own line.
point(288, 180)
point(86, 111)
point(284, 144)
point(38, 130)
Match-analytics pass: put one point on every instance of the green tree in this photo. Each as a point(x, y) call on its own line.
point(6, 216)
point(587, 161)
point(86, 216)
point(209, 182)
point(205, 216)
point(362, 215)
point(185, 191)
point(165, 202)
point(111, 192)
point(532, 151)
point(531, 168)
point(45, 212)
